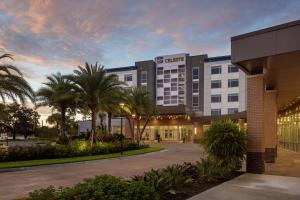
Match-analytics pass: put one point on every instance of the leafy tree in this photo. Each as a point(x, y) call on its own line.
point(93, 84)
point(140, 104)
point(58, 93)
point(12, 84)
point(21, 120)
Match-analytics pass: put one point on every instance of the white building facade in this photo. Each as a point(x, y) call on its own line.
point(224, 87)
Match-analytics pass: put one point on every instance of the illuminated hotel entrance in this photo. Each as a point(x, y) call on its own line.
point(289, 129)
point(170, 133)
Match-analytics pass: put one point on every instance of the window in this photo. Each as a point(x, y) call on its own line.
point(215, 112)
point(233, 83)
point(174, 80)
point(216, 98)
point(216, 69)
point(173, 86)
point(166, 99)
point(195, 101)
point(160, 71)
point(144, 77)
point(216, 84)
point(160, 98)
point(232, 69)
point(174, 71)
point(167, 91)
point(233, 97)
point(160, 83)
point(195, 87)
point(233, 110)
point(173, 99)
point(195, 73)
point(128, 77)
point(168, 134)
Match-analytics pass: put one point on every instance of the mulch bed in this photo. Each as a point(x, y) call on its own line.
point(195, 188)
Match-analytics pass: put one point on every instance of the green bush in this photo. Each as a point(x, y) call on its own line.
point(209, 170)
point(166, 182)
point(224, 142)
point(73, 149)
point(103, 187)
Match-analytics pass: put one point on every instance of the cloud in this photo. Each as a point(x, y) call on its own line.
point(50, 35)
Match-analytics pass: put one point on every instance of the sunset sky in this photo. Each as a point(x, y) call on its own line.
point(46, 36)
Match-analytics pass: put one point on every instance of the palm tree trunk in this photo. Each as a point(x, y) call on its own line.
point(138, 130)
point(63, 122)
point(93, 133)
point(130, 127)
point(144, 127)
point(109, 122)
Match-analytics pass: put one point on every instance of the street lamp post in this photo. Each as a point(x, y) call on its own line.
point(121, 106)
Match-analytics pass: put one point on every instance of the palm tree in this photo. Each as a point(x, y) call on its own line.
point(58, 93)
point(140, 104)
point(93, 85)
point(54, 119)
point(12, 84)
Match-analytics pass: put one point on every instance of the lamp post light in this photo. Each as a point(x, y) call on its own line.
point(133, 117)
point(121, 113)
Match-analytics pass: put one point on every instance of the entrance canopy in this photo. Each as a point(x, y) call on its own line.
point(275, 53)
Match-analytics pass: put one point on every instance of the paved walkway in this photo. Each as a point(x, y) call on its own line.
point(19, 183)
point(254, 187)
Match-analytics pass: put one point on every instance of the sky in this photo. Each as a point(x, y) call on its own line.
point(47, 36)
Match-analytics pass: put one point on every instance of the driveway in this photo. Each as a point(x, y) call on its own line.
point(19, 183)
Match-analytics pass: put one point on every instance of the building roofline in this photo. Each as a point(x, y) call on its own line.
point(266, 30)
point(217, 58)
point(121, 69)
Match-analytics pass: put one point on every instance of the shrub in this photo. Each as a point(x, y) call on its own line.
point(47, 132)
point(73, 149)
point(210, 170)
point(224, 142)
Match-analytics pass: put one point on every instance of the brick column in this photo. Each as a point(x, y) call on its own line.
point(255, 124)
point(270, 130)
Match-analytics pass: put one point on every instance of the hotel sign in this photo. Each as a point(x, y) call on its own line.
point(178, 58)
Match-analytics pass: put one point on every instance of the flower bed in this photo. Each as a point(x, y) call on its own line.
point(74, 149)
point(175, 182)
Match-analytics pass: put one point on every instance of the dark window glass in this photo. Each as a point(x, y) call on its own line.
point(232, 69)
point(160, 71)
point(215, 112)
point(216, 69)
point(195, 73)
point(233, 110)
point(159, 98)
point(195, 101)
point(233, 97)
point(216, 84)
point(173, 71)
point(195, 87)
point(233, 82)
point(127, 77)
point(160, 83)
point(143, 76)
point(216, 98)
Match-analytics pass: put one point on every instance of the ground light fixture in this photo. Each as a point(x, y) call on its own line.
point(121, 115)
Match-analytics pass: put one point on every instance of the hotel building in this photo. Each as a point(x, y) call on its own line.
point(189, 92)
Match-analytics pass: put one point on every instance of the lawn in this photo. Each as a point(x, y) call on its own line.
point(29, 163)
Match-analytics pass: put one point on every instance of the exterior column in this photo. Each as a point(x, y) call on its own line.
point(270, 130)
point(255, 124)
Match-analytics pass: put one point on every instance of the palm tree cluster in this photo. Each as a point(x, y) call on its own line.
point(88, 90)
point(91, 90)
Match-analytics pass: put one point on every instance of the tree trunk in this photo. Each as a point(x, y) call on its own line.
point(93, 133)
point(144, 127)
point(109, 122)
point(138, 129)
point(130, 126)
point(63, 122)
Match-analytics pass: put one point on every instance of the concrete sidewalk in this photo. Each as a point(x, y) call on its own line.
point(254, 187)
